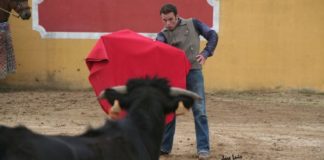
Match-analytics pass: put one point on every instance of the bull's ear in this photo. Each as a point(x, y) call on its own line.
point(115, 107)
point(115, 110)
point(182, 101)
point(181, 109)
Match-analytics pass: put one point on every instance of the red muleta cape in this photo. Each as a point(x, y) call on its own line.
point(122, 55)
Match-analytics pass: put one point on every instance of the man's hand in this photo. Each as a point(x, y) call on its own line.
point(201, 59)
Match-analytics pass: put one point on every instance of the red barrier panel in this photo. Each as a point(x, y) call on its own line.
point(112, 15)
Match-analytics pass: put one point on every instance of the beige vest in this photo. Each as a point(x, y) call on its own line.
point(185, 37)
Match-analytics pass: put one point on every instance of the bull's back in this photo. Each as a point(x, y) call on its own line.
point(19, 143)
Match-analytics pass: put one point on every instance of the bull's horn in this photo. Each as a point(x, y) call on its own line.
point(101, 95)
point(120, 89)
point(175, 91)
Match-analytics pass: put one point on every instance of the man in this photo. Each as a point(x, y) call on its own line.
point(184, 34)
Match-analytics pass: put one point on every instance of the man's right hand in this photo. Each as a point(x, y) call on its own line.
point(201, 59)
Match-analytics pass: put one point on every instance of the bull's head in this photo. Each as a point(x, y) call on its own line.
point(152, 91)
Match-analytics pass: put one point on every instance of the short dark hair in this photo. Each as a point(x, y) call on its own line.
point(168, 8)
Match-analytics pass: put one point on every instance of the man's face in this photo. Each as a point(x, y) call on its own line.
point(169, 20)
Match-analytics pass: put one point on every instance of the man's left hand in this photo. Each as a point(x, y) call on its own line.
point(201, 59)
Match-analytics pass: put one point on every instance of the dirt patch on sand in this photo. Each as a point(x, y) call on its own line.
point(257, 125)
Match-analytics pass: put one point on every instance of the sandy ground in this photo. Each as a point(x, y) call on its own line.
point(256, 125)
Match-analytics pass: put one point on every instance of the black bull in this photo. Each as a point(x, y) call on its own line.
point(136, 137)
